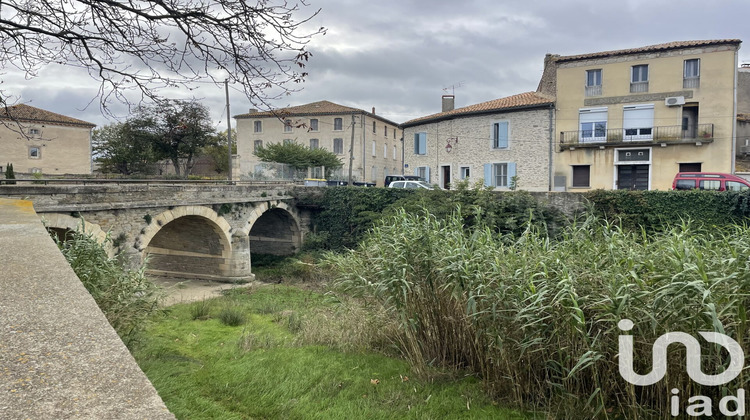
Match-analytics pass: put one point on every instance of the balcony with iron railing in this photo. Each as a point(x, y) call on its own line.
point(663, 135)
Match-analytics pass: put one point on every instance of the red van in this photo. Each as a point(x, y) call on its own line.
point(714, 181)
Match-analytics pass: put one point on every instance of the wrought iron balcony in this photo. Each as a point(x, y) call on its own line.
point(673, 134)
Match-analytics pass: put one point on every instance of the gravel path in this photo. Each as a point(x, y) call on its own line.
point(191, 290)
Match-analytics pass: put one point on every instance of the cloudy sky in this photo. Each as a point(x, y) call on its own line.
point(401, 56)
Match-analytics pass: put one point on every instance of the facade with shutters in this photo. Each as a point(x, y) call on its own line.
point(376, 150)
point(632, 119)
point(505, 143)
point(39, 141)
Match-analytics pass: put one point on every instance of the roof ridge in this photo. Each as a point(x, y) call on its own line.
point(655, 47)
point(25, 112)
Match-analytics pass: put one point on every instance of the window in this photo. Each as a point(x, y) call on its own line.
point(35, 152)
point(639, 78)
point(500, 135)
point(692, 74)
point(373, 148)
point(338, 146)
point(385, 131)
point(288, 141)
point(709, 184)
point(690, 167)
point(395, 151)
point(257, 144)
point(373, 127)
point(581, 176)
point(385, 151)
point(257, 126)
point(394, 133)
point(464, 172)
point(638, 122)
point(684, 184)
point(593, 125)
point(314, 124)
point(313, 144)
point(423, 172)
point(594, 82)
point(499, 174)
point(338, 124)
point(736, 186)
point(287, 126)
point(374, 173)
point(420, 143)
point(34, 132)
point(36, 170)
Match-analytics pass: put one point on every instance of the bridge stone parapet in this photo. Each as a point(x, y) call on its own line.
point(203, 231)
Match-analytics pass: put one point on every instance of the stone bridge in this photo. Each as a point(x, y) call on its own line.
point(191, 231)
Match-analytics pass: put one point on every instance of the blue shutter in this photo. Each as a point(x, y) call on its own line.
point(416, 171)
point(487, 174)
point(422, 143)
point(502, 135)
point(511, 172)
point(427, 173)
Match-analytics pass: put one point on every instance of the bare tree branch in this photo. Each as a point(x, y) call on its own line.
point(148, 45)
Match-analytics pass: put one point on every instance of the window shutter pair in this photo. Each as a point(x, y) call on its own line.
point(500, 135)
point(426, 173)
point(489, 179)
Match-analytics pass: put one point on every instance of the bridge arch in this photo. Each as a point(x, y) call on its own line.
point(60, 224)
point(274, 228)
point(187, 241)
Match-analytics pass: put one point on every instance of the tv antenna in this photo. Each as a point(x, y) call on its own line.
point(452, 88)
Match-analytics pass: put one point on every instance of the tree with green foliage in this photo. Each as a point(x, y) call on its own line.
point(177, 130)
point(9, 173)
point(298, 156)
point(118, 150)
point(218, 150)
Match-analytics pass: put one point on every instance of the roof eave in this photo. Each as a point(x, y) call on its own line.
point(475, 113)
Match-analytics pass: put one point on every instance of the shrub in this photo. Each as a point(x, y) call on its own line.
point(201, 310)
point(126, 297)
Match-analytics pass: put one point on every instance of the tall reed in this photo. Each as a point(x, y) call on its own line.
point(536, 318)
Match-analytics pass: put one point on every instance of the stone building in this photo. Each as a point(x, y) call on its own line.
point(633, 118)
point(376, 148)
point(495, 142)
point(39, 141)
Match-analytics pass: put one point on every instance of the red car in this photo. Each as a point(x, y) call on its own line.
point(715, 181)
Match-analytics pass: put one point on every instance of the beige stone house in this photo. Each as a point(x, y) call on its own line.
point(633, 118)
point(377, 143)
point(495, 142)
point(39, 141)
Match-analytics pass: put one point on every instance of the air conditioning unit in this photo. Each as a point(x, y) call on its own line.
point(674, 101)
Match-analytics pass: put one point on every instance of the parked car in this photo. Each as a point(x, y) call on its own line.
point(715, 181)
point(391, 178)
point(413, 185)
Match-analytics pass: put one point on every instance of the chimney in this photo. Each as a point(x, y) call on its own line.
point(373, 110)
point(252, 111)
point(448, 102)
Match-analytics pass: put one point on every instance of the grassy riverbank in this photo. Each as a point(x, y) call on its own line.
point(272, 365)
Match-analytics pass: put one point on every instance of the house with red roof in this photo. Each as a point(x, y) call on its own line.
point(370, 142)
point(39, 141)
point(505, 143)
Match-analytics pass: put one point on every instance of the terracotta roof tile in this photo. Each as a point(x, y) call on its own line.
point(23, 112)
point(651, 48)
point(314, 108)
point(522, 100)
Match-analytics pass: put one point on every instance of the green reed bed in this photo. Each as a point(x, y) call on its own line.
point(536, 319)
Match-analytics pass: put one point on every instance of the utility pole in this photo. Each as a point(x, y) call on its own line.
point(229, 132)
point(351, 153)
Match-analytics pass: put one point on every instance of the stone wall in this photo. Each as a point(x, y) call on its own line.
point(61, 358)
point(529, 147)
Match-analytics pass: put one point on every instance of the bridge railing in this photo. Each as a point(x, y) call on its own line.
point(96, 181)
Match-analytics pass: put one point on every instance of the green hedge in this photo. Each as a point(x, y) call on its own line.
point(653, 210)
point(345, 214)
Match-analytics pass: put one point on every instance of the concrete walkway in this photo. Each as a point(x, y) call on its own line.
point(59, 357)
